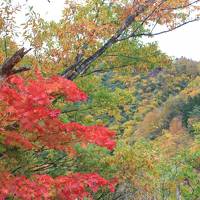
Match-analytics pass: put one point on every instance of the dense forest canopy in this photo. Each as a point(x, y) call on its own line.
point(92, 112)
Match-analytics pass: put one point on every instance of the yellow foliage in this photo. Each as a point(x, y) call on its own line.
point(149, 124)
point(175, 139)
point(176, 126)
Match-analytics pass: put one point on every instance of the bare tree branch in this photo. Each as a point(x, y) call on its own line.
point(9, 64)
point(103, 70)
point(106, 69)
point(182, 7)
point(150, 34)
point(148, 16)
point(169, 30)
point(19, 70)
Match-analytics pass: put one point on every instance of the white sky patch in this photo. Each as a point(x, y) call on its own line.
point(49, 11)
point(184, 41)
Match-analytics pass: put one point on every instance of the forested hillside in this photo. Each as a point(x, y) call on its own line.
point(91, 111)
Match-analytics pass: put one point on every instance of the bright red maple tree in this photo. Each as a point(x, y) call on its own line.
point(28, 105)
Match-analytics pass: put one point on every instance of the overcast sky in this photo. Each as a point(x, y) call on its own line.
point(181, 42)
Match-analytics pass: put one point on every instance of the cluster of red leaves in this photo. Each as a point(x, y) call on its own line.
point(30, 106)
point(29, 121)
point(44, 187)
point(94, 134)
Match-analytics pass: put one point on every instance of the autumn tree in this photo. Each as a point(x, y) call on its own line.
point(102, 26)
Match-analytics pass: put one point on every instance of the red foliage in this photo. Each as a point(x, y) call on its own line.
point(44, 187)
point(16, 139)
point(94, 134)
point(29, 121)
point(30, 105)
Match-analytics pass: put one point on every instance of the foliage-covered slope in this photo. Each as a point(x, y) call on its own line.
point(160, 156)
